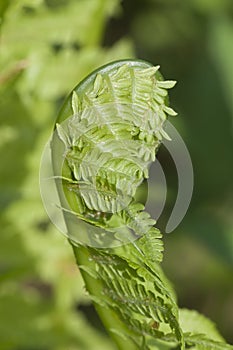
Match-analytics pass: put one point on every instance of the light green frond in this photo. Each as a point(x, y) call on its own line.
point(139, 300)
point(113, 136)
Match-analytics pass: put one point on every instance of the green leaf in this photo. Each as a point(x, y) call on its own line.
point(193, 322)
point(201, 342)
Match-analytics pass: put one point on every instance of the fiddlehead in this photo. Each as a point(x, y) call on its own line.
point(111, 137)
point(108, 133)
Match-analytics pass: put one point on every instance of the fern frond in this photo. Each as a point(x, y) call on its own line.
point(137, 296)
point(114, 132)
point(110, 142)
point(110, 129)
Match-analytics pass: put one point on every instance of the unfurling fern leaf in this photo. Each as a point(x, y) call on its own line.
point(110, 129)
point(112, 133)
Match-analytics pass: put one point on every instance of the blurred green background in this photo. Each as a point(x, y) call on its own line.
point(46, 47)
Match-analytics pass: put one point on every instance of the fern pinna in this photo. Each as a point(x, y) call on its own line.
point(108, 133)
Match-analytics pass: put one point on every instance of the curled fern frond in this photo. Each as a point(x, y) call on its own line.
point(108, 133)
point(111, 137)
